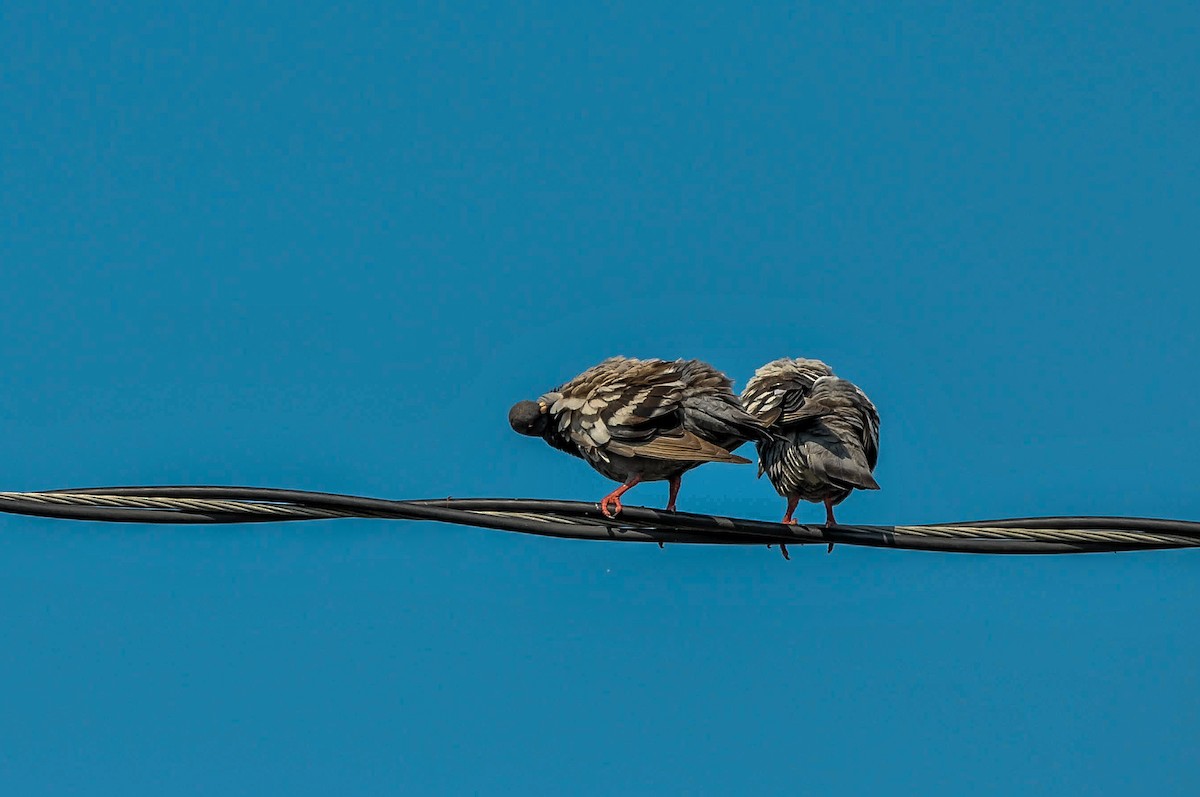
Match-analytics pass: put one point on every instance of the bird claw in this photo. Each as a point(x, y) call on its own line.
point(782, 549)
point(616, 504)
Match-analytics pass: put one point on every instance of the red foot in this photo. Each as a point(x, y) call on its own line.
point(614, 502)
point(614, 499)
point(787, 517)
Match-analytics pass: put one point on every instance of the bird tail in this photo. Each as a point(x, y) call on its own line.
point(725, 423)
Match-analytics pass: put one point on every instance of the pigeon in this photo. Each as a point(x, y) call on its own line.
point(825, 431)
point(642, 420)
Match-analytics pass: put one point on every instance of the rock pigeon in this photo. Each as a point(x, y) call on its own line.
point(825, 433)
point(642, 420)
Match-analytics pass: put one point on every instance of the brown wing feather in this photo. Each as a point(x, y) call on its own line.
point(684, 446)
point(781, 387)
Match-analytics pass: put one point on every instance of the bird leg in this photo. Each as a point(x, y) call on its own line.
point(675, 483)
point(614, 498)
point(788, 520)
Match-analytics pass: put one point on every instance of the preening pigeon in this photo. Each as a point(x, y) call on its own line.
point(642, 420)
point(825, 433)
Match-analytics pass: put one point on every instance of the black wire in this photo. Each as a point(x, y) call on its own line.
point(578, 520)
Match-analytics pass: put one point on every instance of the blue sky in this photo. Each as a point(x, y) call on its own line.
point(326, 247)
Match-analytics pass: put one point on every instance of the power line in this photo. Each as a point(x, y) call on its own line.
point(577, 520)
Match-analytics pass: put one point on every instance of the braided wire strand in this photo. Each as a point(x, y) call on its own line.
point(577, 520)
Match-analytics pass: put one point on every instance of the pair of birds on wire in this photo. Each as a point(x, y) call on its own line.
point(632, 420)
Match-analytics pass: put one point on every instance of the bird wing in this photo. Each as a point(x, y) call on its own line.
point(685, 447)
point(713, 411)
point(780, 388)
point(632, 408)
point(844, 420)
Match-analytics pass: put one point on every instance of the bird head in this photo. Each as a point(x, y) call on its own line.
point(528, 418)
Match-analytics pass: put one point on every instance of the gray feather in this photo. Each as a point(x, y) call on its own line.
point(826, 431)
point(681, 414)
